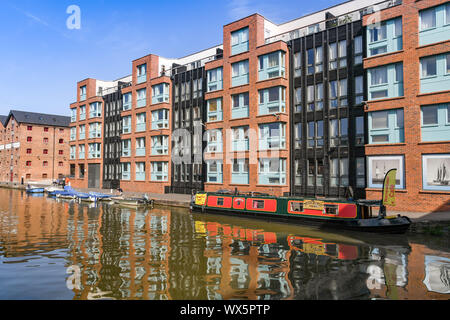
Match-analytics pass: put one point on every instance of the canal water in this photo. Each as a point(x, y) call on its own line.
point(56, 249)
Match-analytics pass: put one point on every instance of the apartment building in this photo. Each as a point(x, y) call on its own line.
point(33, 147)
point(320, 106)
point(408, 102)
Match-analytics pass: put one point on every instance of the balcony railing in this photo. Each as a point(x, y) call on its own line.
point(333, 22)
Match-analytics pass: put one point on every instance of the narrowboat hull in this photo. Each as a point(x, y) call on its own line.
point(347, 215)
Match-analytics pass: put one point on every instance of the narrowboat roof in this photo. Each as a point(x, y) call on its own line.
point(262, 195)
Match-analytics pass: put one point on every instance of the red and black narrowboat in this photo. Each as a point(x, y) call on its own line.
point(343, 214)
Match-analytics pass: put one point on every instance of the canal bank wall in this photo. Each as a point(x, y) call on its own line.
point(433, 223)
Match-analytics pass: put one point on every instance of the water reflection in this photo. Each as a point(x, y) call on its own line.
point(60, 249)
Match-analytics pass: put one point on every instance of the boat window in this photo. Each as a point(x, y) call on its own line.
point(258, 204)
point(297, 206)
point(331, 209)
point(220, 201)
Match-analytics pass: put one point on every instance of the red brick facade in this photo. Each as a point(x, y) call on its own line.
point(257, 47)
point(413, 197)
point(32, 152)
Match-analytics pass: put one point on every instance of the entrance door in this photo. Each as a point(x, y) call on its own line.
point(94, 176)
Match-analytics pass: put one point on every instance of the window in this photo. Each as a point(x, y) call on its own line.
point(428, 66)
point(297, 64)
point(60, 152)
point(239, 105)
point(141, 73)
point(435, 73)
point(45, 163)
point(272, 100)
point(126, 99)
point(319, 59)
point(214, 110)
point(28, 151)
point(298, 99)
point(434, 24)
point(141, 100)
point(315, 134)
point(29, 128)
point(272, 136)
point(160, 119)
point(45, 129)
point(29, 139)
point(310, 61)
point(239, 72)
point(386, 126)
point(140, 171)
point(338, 93)
point(436, 122)
point(240, 139)
point(359, 136)
point(258, 204)
point(359, 89)
point(45, 140)
point(338, 132)
point(272, 171)
point(28, 163)
point(61, 141)
point(358, 50)
point(214, 170)
point(377, 32)
point(298, 135)
point(214, 140)
point(385, 81)
point(296, 206)
point(360, 172)
point(331, 209)
point(239, 41)
point(215, 81)
point(427, 19)
point(271, 65)
point(160, 93)
point(337, 53)
point(315, 172)
point(239, 171)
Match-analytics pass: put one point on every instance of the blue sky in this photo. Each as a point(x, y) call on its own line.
point(41, 59)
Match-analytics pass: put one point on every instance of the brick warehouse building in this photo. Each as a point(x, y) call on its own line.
point(33, 147)
point(309, 107)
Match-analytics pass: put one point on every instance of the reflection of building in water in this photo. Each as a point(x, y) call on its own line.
point(122, 253)
point(24, 218)
point(437, 271)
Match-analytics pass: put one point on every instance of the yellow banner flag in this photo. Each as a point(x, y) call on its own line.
point(389, 188)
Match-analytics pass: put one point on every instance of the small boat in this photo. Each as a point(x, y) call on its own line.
point(132, 201)
point(68, 193)
point(101, 196)
point(336, 213)
point(35, 190)
point(86, 197)
point(53, 189)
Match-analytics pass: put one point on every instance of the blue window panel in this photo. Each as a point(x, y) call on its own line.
point(434, 24)
point(239, 41)
point(214, 171)
point(81, 155)
point(126, 99)
point(140, 103)
point(140, 127)
point(392, 131)
point(239, 178)
point(271, 65)
point(140, 152)
point(240, 75)
point(435, 122)
point(240, 145)
point(239, 171)
point(272, 100)
point(95, 110)
point(140, 176)
point(141, 78)
point(214, 140)
point(160, 93)
point(82, 135)
point(384, 37)
point(435, 73)
point(215, 79)
point(272, 178)
point(385, 81)
point(214, 110)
